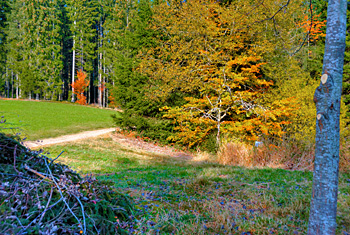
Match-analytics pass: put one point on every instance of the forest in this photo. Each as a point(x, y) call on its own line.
point(194, 73)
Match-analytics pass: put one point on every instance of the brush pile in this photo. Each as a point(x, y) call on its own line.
point(39, 196)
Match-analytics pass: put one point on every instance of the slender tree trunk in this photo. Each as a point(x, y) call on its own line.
point(327, 97)
point(82, 51)
point(12, 84)
point(104, 82)
point(100, 81)
point(17, 87)
point(100, 67)
point(73, 65)
point(7, 84)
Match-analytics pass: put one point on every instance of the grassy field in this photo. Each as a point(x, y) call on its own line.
point(178, 196)
point(38, 120)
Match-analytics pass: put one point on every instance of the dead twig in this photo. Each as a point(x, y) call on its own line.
point(37, 173)
point(56, 157)
point(14, 159)
point(63, 198)
point(47, 204)
point(82, 212)
point(34, 220)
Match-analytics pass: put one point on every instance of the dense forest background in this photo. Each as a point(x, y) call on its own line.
point(193, 72)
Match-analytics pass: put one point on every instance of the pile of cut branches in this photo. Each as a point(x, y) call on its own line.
point(39, 196)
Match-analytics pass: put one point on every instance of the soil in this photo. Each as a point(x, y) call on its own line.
point(67, 138)
point(127, 141)
point(138, 143)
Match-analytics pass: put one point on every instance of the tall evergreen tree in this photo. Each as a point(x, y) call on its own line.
point(5, 82)
point(126, 36)
point(15, 45)
point(82, 17)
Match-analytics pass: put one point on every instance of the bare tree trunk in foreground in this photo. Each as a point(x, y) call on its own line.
point(327, 97)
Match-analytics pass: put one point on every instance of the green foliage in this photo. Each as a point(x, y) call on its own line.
point(152, 128)
point(127, 36)
point(346, 72)
point(34, 48)
point(4, 10)
point(82, 15)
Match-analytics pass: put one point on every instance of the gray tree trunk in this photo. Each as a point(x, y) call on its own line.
point(327, 97)
point(17, 87)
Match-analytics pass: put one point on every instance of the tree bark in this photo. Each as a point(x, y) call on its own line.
point(100, 66)
point(73, 64)
point(17, 87)
point(327, 98)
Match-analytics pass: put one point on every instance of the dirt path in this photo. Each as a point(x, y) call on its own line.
point(150, 147)
point(128, 142)
point(67, 138)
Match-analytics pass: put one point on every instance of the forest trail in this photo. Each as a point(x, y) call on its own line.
point(128, 142)
point(67, 138)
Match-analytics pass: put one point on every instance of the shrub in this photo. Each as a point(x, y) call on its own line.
point(152, 128)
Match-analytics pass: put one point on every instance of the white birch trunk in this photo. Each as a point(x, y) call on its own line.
point(17, 87)
point(73, 66)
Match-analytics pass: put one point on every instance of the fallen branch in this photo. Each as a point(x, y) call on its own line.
point(64, 200)
point(37, 173)
point(14, 159)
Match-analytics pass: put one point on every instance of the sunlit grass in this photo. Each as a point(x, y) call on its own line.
point(38, 120)
point(175, 196)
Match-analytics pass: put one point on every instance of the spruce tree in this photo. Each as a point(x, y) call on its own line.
point(4, 76)
point(82, 17)
point(127, 34)
point(15, 45)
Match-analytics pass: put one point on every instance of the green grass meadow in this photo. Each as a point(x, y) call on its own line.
point(177, 196)
point(39, 120)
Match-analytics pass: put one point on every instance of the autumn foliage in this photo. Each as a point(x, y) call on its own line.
point(207, 53)
point(80, 86)
point(313, 26)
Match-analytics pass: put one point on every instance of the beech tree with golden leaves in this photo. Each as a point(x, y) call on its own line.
point(207, 52)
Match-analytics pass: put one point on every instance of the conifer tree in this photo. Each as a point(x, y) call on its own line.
point(126, 36)
point(5, 82)
point(15, 45)
point(82, 16)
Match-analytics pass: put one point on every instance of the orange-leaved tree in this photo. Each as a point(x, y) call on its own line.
point(80, 86)
point(312, 25)
point(207, 53)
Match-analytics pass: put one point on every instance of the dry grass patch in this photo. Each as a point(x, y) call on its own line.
point(284, 156)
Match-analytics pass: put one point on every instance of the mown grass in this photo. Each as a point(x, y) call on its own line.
point(39, 120)
point(177, 196)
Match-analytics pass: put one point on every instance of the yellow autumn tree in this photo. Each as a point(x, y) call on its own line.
point(210, 53)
